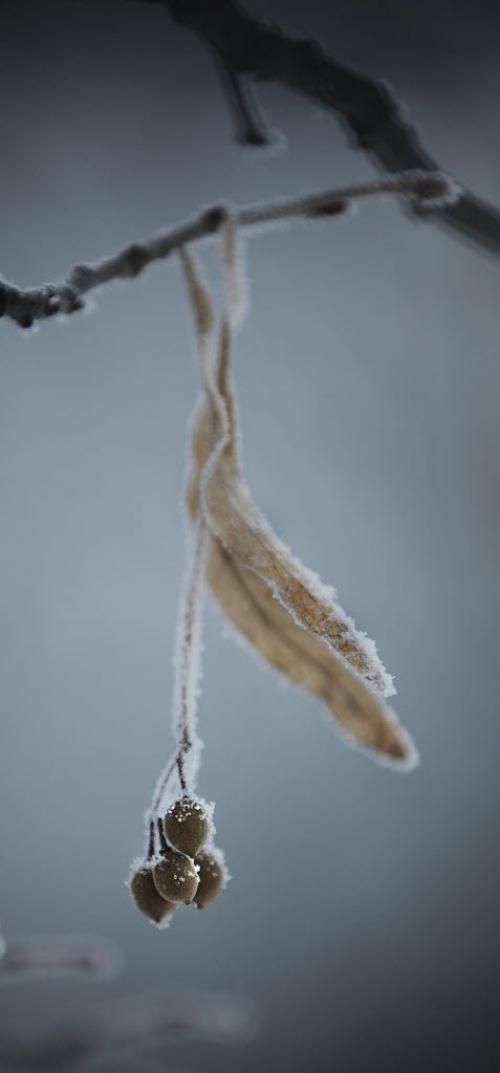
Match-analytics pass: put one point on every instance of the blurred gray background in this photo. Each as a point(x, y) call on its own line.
point(368, 376)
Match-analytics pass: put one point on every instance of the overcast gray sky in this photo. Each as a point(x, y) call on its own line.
point(368, 377)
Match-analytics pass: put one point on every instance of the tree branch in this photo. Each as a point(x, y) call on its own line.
point(369, 111)
point(250, 127)
point(26, 306)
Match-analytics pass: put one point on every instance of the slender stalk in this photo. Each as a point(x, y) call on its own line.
point(250, 126)
point(186, 672)
point(164, 847)
point(189, 652)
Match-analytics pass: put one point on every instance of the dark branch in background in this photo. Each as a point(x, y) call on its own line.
point(25, 307)
point(370, 113)
point(249, 124)
point(247, 47)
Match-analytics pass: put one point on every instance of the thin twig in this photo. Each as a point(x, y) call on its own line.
point(26, 306)
point(250, 126)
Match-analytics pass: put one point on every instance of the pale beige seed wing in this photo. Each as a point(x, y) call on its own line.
point(248, 567)
point(234, 518)
point(300, 656)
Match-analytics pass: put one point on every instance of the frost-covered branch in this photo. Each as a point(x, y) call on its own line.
point(27, 306)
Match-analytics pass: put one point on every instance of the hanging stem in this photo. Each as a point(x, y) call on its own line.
point(151, 840)
point(187, 665)
point(186, 671)
point(164, 847)
point(189, 651)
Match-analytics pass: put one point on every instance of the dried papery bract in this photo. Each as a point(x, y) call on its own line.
point(292, 620)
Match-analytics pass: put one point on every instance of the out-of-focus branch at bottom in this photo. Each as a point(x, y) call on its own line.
point(48, 956)
point(131, 1030)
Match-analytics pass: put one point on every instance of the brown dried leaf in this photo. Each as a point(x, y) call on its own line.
point(283, 610)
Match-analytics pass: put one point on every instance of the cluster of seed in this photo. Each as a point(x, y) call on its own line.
point(189, 870)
